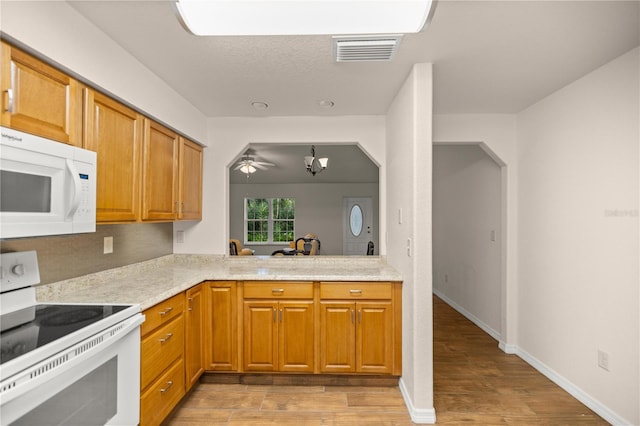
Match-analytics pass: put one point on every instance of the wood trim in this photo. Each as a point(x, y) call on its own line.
point(397, 328)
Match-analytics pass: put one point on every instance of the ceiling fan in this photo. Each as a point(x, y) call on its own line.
point(248, 163)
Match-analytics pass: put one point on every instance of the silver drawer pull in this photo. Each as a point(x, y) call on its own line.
point(166, 311)
point(169, 384)
point(166, 338)
point(277, 290)
point(355, 292)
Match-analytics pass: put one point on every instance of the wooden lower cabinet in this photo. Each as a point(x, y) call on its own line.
point(278, 336)
point(221, 326)
point(266, 327)
point(356, 337)
point(360, 328)
point(163, 395)
point(162, 374)
point(194, 336)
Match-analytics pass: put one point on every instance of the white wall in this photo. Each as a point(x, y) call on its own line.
point(319, 209)
point(54, 29)
point(578, 236)
point(409, 165)
point(230, 136)
point(466, 210)
point(496, 133)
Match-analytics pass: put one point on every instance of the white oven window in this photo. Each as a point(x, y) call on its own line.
point(91, 400)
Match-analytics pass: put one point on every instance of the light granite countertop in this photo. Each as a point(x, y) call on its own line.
point(148, 283)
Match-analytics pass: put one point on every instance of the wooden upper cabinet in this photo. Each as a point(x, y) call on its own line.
point(160, 173)
point(114, 131)
point(190, 181)
point(39, 99)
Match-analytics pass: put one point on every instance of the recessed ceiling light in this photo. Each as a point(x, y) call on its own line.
point(296, 17)
point(260, 105)
point(326, 104)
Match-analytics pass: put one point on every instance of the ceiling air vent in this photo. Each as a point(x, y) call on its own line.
point(366, 48)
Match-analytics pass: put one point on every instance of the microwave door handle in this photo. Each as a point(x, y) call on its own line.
point(75, 203)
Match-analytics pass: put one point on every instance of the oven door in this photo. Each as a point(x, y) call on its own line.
point(95, 382)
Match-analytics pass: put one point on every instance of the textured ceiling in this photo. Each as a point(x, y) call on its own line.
point(488, 56)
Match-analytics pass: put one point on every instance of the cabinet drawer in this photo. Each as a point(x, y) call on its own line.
point(355, 290)
point(162, 396)
point(162, 313)
point(278, 290)
point(159, 349)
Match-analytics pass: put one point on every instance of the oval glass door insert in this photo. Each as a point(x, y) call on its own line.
point(355, 220)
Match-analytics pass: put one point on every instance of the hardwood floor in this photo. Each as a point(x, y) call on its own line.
point(474, 383)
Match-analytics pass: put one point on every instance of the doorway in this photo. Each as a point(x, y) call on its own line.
point(468, 233)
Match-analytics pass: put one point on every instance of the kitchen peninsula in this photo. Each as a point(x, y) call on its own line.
point(234, 317)
point(148, 283)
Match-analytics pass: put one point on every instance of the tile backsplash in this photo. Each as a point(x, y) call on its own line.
point(68, 256)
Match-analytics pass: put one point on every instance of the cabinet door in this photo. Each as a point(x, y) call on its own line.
point(39, 99)
point(337, 337)
point(374, 343)
point(295, 336)
point(221, 327)
point(160, 159)
point(115, 133)
point(190, 176)
point(260, 336)
point(194, 349)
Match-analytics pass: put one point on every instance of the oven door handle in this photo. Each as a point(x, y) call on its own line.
point(32, 377)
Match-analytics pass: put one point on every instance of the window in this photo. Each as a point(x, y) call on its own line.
point(269, 220)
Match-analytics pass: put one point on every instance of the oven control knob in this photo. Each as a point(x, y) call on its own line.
point(18, 269)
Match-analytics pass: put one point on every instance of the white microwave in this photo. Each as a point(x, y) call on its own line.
point(46, 187)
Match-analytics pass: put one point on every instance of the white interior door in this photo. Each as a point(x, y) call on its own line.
point(357, 225)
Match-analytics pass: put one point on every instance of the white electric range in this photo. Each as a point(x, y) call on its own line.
point(64, 364)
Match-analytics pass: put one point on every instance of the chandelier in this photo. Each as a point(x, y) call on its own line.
point(315, 165)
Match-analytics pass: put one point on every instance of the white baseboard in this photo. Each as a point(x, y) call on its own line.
point(507, 348)
point(595, 405)
point(490, 331)
point(418, 415)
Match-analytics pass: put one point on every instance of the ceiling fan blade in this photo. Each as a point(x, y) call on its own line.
point(258, 166)
point(264, 163)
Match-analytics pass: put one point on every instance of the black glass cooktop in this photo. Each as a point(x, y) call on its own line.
point(34, 327)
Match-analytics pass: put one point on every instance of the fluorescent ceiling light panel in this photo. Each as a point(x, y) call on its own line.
point(299, 17)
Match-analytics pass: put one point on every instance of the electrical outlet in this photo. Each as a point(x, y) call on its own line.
point(603, 360)
point(107, 245)
point(180, 237)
